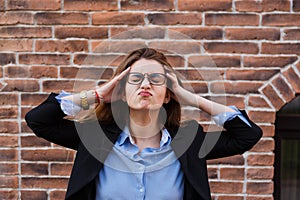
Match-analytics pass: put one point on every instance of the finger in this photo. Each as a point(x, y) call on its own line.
point(173, 77)
point(126, 71)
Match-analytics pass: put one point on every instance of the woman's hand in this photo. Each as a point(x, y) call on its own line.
point(107, 90)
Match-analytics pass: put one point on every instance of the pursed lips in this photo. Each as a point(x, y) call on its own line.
point(145, 94)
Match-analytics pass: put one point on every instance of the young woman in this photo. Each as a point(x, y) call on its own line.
point(136, 147)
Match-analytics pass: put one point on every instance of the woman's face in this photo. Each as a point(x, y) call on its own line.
point(145, 95)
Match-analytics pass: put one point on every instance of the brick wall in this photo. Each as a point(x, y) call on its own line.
point(241, 52)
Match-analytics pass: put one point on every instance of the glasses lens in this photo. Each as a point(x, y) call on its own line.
point(135, 78)
point(154, 78)
point(157, 79)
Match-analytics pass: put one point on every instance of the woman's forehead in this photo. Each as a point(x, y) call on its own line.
point(147, 66)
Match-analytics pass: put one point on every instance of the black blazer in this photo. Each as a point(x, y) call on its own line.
point(47, 121)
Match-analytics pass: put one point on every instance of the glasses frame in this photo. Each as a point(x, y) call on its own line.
point(144, 76)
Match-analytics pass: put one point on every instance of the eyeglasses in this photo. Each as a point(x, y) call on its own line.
point(136, 78)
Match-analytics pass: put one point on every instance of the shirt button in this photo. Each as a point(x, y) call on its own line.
point(142, 190)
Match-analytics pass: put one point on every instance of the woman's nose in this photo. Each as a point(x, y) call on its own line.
point(145, 83)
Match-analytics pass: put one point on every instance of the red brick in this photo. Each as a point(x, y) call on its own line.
point(8, 141)
point(61, 45)
point(86, 73)
point(283, 48)
point(230, 198)
point(212, 173)
point(34, 195)
point(90, 5)
point(232, 173)
point(33, 141)
point(291, 34)
point(260, 173)
point(262, 116)
point(214, 61)
point(204, 5)
point(97, 60)
point(2, 7)
point(281, 20)
point(252, 34)
point(117, 18)
point(81, 32)
point(270, 197)
point(32, 99)
point(199, 87)
point(8, 155)
point(9, 194)
point(241, 87)
point(162, 5)
point(237, 74)
point(175, 18)
point(8, 99)
point(25, 32)
point(47, 183)
point(21, 85)
point(47, 155)
point(9, 182)
point(8, 113)
point(292, 78)
point(201, 74)
point(141, 33)
point(268, 130)
point(176, 61)
point(35, 169)
point(231, 47)
point(9, 169)
point(31, 72)
point(13, 18)
point(177, 47)
point(61, 169)
point(7, 58)
point(57, 194)
point(117, 46)
point(196, 33)
point(262, 6)
point(226, 187)
point(258, 102)
point(16, 45)
point(229, 100)
point(260, 159)
point(232, 160)
point(9, 127)
point(50, 59)
point(261, 188)
point(33, 5)
point(264, 146)
point(231, 19)
point(273, 97)
point(61, 18)
point(24, 127)
point(268, 61)
point(296, 5)
point(68, 86)
point(283, 88)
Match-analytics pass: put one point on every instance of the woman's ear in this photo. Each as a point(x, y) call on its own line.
point(167, 97)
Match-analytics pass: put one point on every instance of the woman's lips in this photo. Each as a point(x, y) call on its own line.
point(145, 94)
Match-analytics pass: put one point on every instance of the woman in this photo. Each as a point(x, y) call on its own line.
point(144, 152)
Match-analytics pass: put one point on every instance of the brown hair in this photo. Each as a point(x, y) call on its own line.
point(104, 112)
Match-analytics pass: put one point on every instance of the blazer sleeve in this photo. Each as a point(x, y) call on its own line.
point(237, 138)
point(47, 121)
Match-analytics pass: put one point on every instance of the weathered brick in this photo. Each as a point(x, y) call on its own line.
point(255, 197)
point(204, 5)
point(33, 141)
point(8, 99)
point(9, 182)
point(47, 183)
point(230, 197)
point(258, 102)
point(31, 72)
point(61, 169)
point(292, 78)
point(162, 5)
point(196, 33)
point(252, 34)
point(68, 86)
point(86, 73)
point(291, 34)
point(61, 18)
point(9, 194)
point(8, 169)
point(47, 155)
point(212, 172)
point(199, 87)
point(137, 33)
point(236, 74)
point(232, 160)
point(226, 187)
point(33, 5)
point(90, 5)
point(268, 61)
point(8, 113)
point(260, 159)
point(232, 173)
point(2, 7)
point(32, 99)
point(229, 19)
point(260, 188)
point(273, 97)
point(214, 61)
point(175, 18)
point(242, 87)
point(57, 194)
point(48, 59)
point(176, 61)
point(35, 169)
point(262, 6)
point(239, 102)
point(24, 127)
point(296, 5)
point(81, 32)
point(16, 45)
point(264, 146)
point(21, 85)
point(61, 45)
point(8, 155)
point(177, 47)
point(25, 32)
point(7, 58)
point(283, 48)
point(13, 18)
point(260, 173)
point(262, 116)
point(117, 46)
point(8, 141)
point(201, 74)
point(117, 18)
point(34, 195)
point(268, 130)
point(283, 88)
point(231, 47)
point(9, 127)
point(97, 60)
point(281, 20)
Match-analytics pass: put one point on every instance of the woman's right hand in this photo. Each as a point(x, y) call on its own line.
point(106, 90)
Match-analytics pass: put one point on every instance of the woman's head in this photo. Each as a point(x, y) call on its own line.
point(145, 87)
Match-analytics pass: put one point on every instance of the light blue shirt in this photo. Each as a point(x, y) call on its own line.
point(153, 173)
